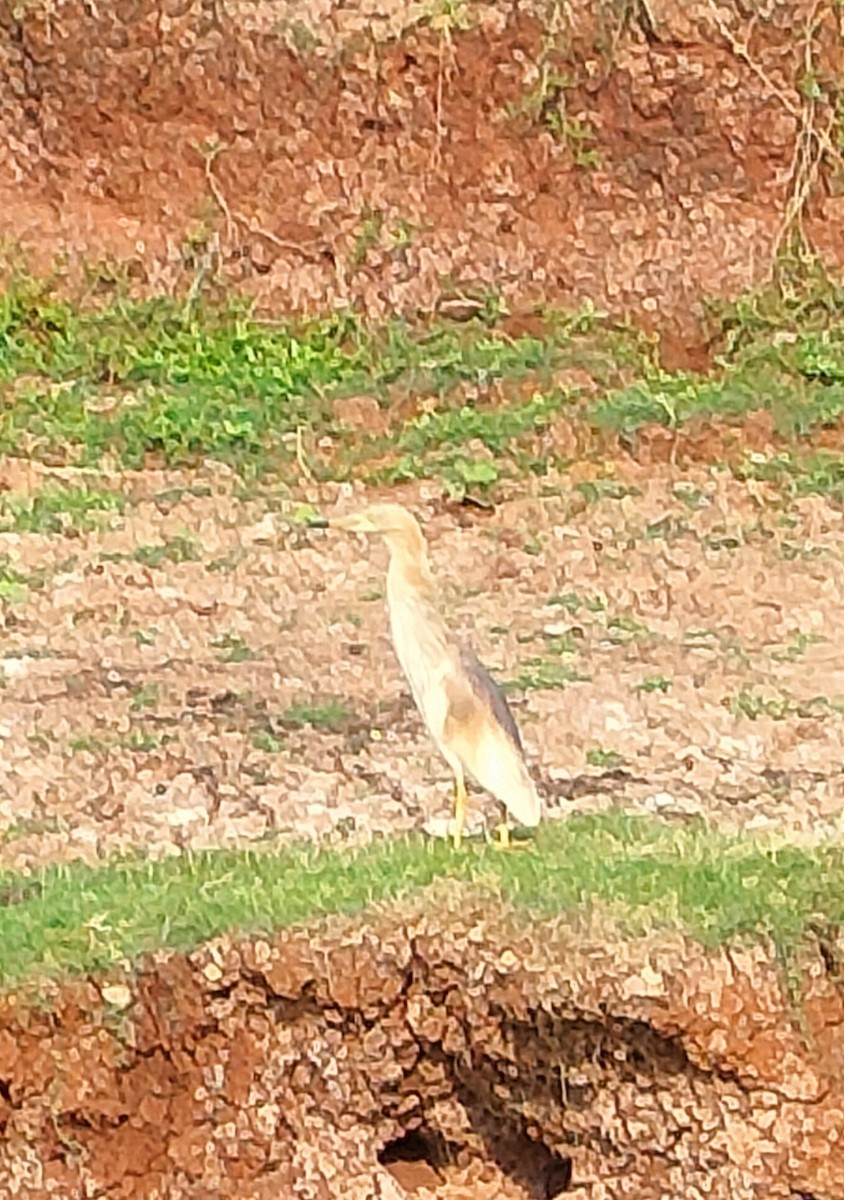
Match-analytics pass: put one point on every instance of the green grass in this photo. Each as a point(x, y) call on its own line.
point(327, 715)
point(799, 473)
point(267, 742)
point(654, 683)
point(538, 673)
point(444, 433)
point(179, 549)
point(233, 649)
point(646, 873)
point(59, 509)
point(184, 382)
point(752, 704)
point(604, 760)
point(137, 740)
point(158, 377)
point(15, 584)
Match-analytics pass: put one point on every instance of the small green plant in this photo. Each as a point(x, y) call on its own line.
point(799, 474)
point(560, 643)
point(752, 704)
point(328, 715)
point(690, 495)
point(146, 695)
point(30, 827)
point(300, 37)
point(90, 743)
point(624, 628)
point(170, 497)
point(594, 490)
point(605, 760)
point(233, 648)
point(797, 646)
point(368, 235)
point(667, 528)
point(570, 601)
point(266, 741)
point(180, 549)
point(654, 683)
point(538, 673)
point(547, 104)
point(401, 233)
point(228, 562)
point(15, 584)
point(573, 602)
point(139, 741)
point(58, 509)
point(465, 475)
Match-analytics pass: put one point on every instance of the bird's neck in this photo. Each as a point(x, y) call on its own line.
point(410, 573)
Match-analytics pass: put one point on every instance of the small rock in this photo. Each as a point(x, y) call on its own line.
point(118, 995)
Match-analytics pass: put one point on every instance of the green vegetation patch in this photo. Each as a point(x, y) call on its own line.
point(717, 888)
point(465, 402)
point(188, 381)
point(782, 353)
point(59, 509)
point(16, 584)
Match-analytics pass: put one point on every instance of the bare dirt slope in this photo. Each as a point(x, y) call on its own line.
point(640, 156)
point(425, 1054)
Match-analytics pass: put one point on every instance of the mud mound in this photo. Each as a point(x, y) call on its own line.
point(640, 156)
point(433, 1055)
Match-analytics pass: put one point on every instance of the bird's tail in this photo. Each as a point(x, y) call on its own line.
point(502, 771)
point(525, 804)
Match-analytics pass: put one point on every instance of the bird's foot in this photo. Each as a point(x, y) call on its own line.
point(502, 839)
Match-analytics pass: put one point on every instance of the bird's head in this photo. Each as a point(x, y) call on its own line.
point(395, 524)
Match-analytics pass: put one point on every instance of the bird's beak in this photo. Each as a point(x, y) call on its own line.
point(353, 523)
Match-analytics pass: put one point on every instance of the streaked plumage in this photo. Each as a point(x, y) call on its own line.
point(466, 714)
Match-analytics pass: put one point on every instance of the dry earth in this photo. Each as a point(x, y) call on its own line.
point(154, 704)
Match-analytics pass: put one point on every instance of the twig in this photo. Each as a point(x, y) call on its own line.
point(741, 51)
point(217, 191)
point(438, 113)
point(300, 456)
point(444, 24)
point(811, 144)
point(310, 252)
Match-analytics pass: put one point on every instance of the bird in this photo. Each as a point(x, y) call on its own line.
point(466, 713)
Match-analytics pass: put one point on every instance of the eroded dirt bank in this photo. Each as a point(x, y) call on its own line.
point(417, 1051)
point(639, 156)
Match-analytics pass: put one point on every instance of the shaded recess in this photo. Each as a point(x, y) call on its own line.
point(419, 1052)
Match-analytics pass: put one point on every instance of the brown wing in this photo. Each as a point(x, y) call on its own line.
point(487, 691)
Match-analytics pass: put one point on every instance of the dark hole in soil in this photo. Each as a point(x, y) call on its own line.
point(417, 1145)
point(542, 1173)
point(414, 1159)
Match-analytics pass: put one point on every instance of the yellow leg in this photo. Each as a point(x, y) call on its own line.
point(459, 809)
point(502, 842)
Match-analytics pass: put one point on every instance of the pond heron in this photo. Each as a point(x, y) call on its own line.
point(466, 714)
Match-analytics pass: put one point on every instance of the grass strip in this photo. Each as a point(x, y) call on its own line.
point(74, 918)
